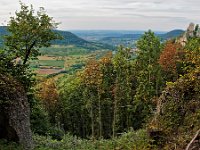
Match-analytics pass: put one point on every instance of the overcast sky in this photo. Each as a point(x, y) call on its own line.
point(113, 14)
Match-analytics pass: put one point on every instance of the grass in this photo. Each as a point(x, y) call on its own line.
point(54, 63)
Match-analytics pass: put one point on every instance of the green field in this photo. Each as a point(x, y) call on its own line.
point(55, 63)
point(48, 63)
point(56, 50)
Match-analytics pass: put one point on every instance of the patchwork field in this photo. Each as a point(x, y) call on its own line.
point(55, 64)
point(48, 71)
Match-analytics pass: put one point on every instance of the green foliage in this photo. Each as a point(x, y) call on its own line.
point(72, 106)
point(56, 133)
point(127, 141)
point(193, 44)
point(96, 100)
point(5, 145)
point(179, 110)
point(196, 30)
point(178, 107)
point(40, 123)
point(21, 73)
point(123, 92)
point(149, 78)
point(29, 32)
point(114, 95)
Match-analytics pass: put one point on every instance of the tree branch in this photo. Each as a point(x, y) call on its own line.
point(196, 135)
point(28, 51)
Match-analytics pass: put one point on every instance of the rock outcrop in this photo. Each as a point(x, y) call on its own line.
point(177, 114)
point(192, 31)
point(14, 112)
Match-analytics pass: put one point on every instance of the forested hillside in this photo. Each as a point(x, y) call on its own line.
point(68, 38)
point(171, 34)
point(147, 99)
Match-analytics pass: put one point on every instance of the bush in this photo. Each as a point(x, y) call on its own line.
point(138, 140)
point(5, 145)
point(56, 134)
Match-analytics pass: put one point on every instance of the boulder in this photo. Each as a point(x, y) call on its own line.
point(14, 112)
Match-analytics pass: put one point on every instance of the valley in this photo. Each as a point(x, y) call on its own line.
point(98, 89)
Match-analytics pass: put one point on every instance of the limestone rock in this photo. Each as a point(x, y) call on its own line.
point(190, 30)
point(14, 112)
point(182, 40)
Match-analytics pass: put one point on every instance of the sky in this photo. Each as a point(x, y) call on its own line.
point(159, 15)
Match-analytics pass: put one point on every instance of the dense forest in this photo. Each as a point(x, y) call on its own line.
point(146, 99)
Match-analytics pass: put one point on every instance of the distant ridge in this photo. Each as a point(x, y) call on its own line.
point(3, 32)
point(108, 42)
point(72, 39)
point(130, 39)
point(68, 39)
point(172, 34)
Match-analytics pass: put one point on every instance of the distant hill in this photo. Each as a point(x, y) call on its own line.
point(3, 32)
point(171, 34)
point(68, 39)
point(129, 40)
point(101, 39)
point(96, 35)
point(71, 39)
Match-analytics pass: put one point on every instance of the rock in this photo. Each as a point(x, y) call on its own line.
point(182, 40)
point(190, 30)
point(15, 112)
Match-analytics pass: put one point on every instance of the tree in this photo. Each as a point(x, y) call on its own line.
point(29, 32)
point(169, 60)
point(168, 57)
point(149, 76)
point(92, 79)
point(196, 30)
point(122, 90)
point(48, 94)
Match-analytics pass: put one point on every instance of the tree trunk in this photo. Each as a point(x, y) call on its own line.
point(100, 120)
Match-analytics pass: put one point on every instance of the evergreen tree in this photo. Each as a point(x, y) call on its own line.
point(149, 77)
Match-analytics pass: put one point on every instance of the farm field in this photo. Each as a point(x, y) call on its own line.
point(59, 63)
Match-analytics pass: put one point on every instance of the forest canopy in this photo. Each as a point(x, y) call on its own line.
point(148, 98)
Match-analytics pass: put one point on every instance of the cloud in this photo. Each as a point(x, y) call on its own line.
point(114, 14)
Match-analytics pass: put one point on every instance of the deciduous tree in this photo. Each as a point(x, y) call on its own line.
point(29, 31)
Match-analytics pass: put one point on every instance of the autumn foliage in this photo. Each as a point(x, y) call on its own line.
point(92, 75)
point(48, 94)
point(169, 57)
